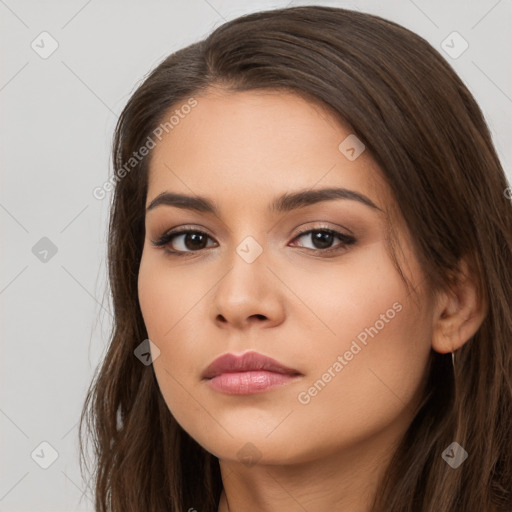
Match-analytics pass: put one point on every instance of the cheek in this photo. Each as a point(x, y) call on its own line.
point(170, 307)
point(367, 353)
point(361, 297)
point(376, 384)
point(165, 302)
point(164, 296)
point(173, 303)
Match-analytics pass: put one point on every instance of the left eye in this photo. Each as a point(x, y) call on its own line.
point(189, 240)
point(323, 238)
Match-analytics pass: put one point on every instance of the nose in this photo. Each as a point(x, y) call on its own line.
point(249, 295)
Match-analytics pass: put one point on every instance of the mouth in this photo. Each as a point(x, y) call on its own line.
point(247, 374)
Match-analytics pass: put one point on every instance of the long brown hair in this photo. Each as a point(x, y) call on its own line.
point(425, 130)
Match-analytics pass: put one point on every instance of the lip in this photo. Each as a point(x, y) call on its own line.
point(248, 373)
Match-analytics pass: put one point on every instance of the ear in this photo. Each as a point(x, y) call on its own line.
point(459, 312)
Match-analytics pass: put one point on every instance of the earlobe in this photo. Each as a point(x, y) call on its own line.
point(458, 313)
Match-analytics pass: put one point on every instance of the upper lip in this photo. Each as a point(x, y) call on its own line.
point(249, 361)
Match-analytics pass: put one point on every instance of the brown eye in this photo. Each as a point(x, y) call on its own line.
point(186, 241)
point(323, 238)
point(183, 241)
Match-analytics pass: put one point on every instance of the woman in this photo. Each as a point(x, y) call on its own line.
point(310, 240)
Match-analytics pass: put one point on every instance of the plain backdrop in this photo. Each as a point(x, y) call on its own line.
point(58, 115)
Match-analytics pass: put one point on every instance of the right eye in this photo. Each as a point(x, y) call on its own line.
point(182, 241)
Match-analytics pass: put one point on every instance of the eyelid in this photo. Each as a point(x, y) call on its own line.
point(325, 227)
point(201, 229)
point(181, 230)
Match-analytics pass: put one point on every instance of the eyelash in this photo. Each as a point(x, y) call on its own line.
point(166, 238)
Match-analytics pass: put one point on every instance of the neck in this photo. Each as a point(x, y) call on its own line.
point(346, 480)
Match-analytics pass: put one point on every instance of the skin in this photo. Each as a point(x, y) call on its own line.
point(299, 307)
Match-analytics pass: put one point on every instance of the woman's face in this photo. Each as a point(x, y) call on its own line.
point(333, 309)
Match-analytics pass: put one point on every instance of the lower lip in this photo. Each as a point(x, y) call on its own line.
point(249, 382)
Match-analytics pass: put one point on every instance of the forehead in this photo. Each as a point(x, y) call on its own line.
point(255, 143)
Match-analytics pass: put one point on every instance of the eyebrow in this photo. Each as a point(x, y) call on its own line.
point(284, 203)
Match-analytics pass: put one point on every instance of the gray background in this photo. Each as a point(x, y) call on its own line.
point(57, 119)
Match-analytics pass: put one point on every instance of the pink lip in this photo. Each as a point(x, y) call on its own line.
point(250, 373)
